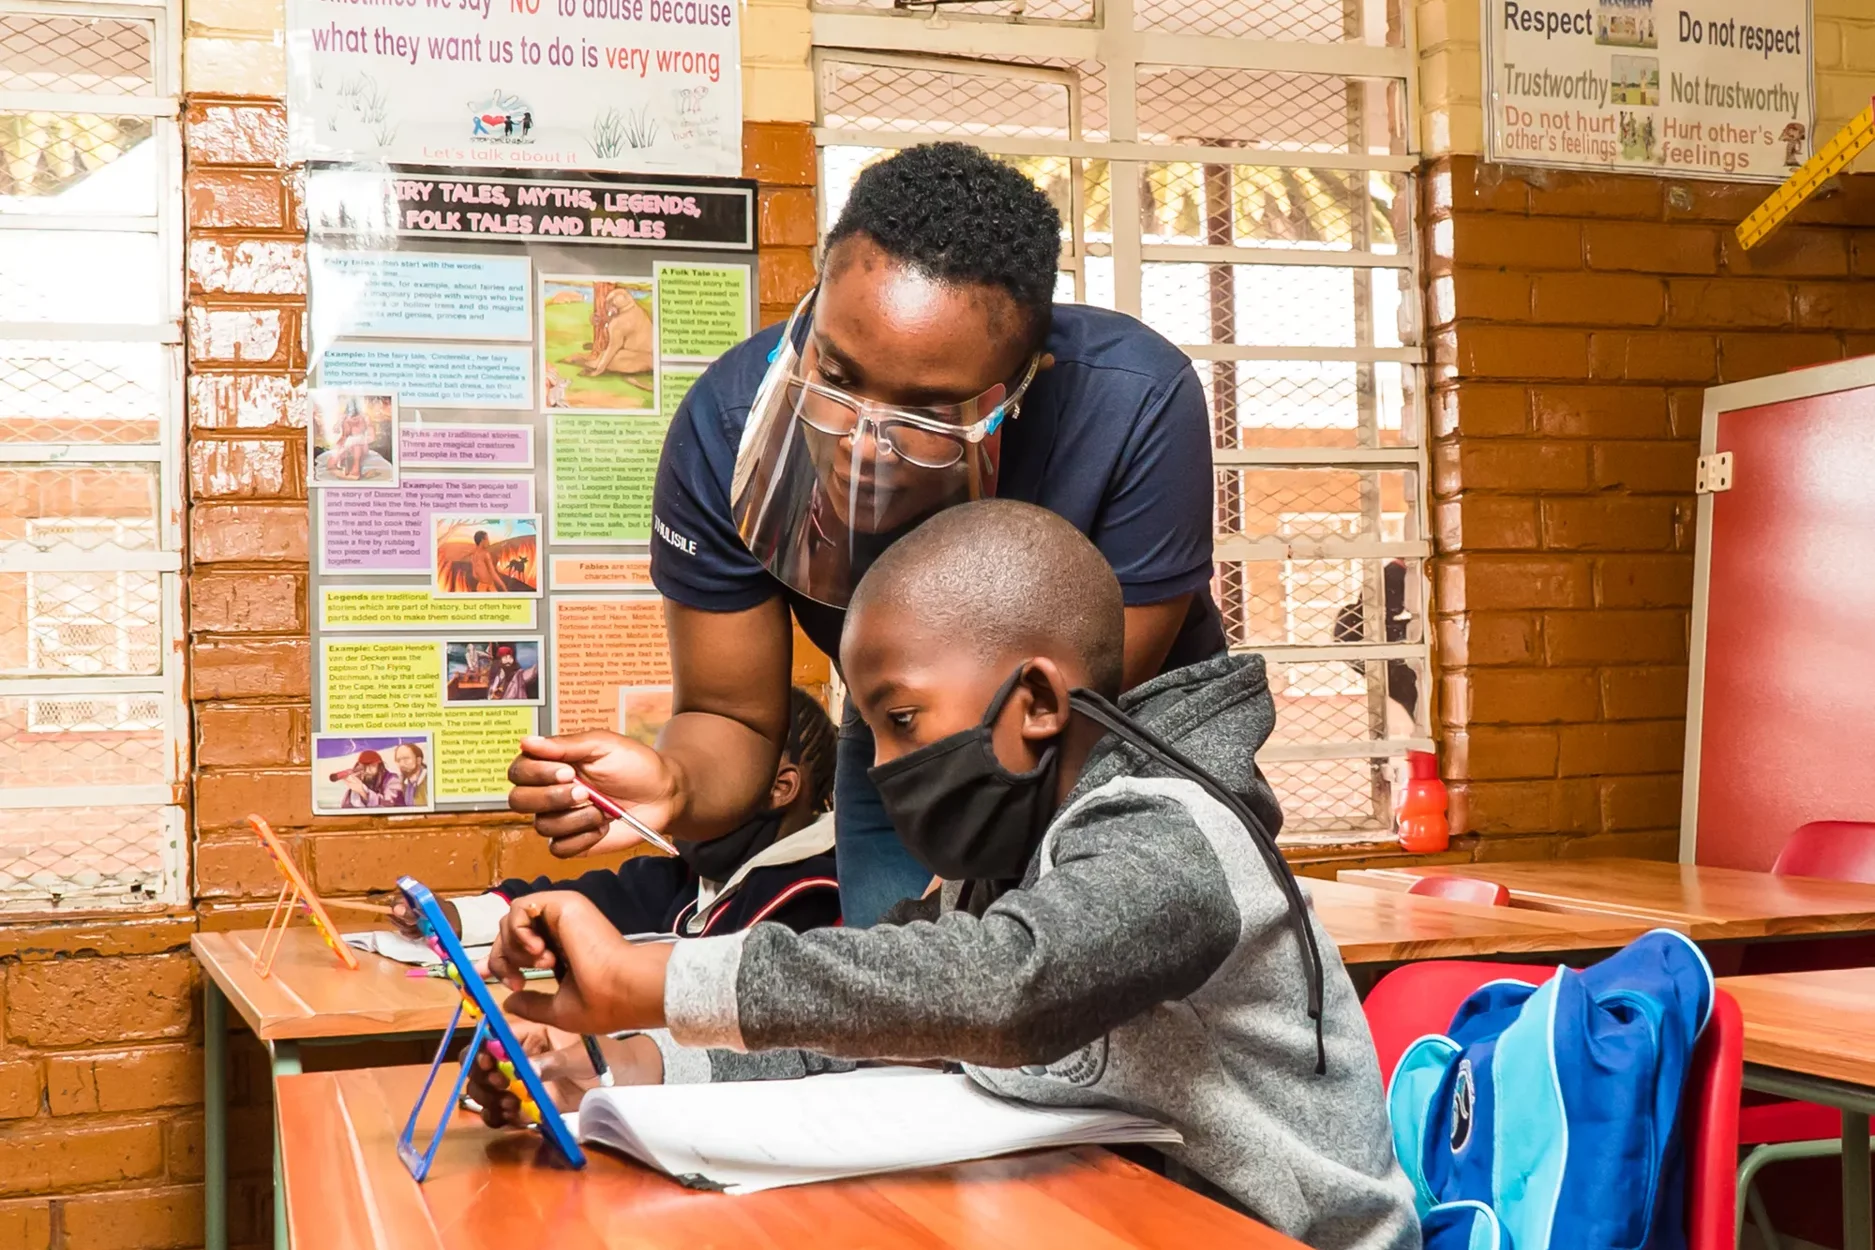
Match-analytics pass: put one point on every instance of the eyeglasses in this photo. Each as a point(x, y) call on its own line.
point(932, 436)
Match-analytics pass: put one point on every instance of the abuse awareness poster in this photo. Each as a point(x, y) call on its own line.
point(494, 361)
point(645, 85)
point(1694, 88)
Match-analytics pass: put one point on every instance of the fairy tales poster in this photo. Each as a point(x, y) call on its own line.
point(622, 85)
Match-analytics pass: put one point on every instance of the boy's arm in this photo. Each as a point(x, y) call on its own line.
point(635, 899)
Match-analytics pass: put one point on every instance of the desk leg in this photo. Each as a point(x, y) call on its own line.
point(285, 1063)
point(214, 1116)
point(1855, 1181)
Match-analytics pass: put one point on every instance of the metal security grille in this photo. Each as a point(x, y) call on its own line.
point(1237, 174)
point(93, 744)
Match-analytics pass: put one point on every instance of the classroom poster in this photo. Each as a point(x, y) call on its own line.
point(548, 84)
point(402, 607)
point(604, 644)
point(602, 471)
point(1703, 88)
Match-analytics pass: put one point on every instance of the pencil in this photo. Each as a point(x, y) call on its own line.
point(613, 810)
point(349, 905)
point(436, 971)
point(593, 1053)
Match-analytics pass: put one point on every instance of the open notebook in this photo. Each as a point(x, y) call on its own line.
point(747, 1136)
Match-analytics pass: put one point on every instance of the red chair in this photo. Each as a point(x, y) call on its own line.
point(1463, 890)
point(1410, 1002)
point(1778, 1129)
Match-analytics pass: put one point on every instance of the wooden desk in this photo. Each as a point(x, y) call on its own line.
point(1706, 904)
point(347, 1190)
point(1390, 926)
point(1811, 1035)
point(310, 997)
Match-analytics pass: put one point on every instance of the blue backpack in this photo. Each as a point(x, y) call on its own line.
point(1549, 1118)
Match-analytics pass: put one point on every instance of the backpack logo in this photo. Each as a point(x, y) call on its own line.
point(1463, 1095)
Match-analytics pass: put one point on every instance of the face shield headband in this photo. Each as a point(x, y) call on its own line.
point(826, 479)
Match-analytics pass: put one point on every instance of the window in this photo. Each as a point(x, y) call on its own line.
point(92, 722)
point(1238, 174)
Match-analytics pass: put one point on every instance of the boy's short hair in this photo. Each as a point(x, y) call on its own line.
point(811, 744)
point(1011, 578)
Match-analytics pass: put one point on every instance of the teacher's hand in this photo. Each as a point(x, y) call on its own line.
point(552, 777)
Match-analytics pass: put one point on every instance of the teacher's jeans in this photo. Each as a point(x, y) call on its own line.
point(875, 869)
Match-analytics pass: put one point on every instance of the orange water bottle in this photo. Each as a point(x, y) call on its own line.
point(1422, 820)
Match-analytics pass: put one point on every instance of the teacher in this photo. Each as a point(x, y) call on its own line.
point(930, 367)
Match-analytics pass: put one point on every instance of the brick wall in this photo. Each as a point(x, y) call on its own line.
point(1575, 320)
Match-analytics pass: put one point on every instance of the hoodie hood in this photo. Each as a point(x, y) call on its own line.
point(1217, 713)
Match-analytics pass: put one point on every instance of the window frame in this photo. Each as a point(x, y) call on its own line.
point(162, 105)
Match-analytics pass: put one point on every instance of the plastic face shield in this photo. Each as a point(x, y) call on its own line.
point(825, 479)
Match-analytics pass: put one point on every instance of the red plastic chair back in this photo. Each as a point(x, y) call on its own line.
point(1410, 1002)
point(1463, 890)
point(1839, 850)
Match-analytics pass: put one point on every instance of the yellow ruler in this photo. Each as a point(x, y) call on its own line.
point(1813, 173)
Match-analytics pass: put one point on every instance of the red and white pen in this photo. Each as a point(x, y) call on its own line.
point(616, 812)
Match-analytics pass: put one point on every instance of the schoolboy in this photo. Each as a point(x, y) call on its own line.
point(1111, 930)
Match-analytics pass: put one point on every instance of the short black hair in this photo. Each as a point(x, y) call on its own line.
point(1005, 578)
point(811, 744)
point(959, 215)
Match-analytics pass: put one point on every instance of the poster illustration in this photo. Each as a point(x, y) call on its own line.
point(354, 438)
point(485, 555)
point(1712, 89)
point(642, 712)
point(379, 774)
point(598, 344)
point(387, 532)
point(650, 85)
point(502, 671)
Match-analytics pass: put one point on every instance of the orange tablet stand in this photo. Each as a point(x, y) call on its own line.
point(296, 890)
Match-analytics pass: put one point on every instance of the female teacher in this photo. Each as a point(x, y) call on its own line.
point(930, 367)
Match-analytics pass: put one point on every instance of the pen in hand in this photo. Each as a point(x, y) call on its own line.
point(615, 812)
point(599, 1067)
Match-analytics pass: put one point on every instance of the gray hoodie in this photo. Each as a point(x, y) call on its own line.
point(1145, 963)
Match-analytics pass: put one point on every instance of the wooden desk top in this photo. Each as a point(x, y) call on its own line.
point(490, 1190)
point(1817, 1023)
point(310, 994)
point(1390, 926)
point(1704, 903)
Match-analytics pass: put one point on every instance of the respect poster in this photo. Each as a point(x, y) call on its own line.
point(1703, 88)
point(644, 85)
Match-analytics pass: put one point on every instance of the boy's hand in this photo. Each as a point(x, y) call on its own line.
point(547, 771)
point(404, 918)
point(606, 985)
point(566, 1071)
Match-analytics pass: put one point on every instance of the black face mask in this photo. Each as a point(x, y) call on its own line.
point(960, 812)
point(718, 859)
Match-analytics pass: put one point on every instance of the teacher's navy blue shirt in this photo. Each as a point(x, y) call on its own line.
point(1114, 437)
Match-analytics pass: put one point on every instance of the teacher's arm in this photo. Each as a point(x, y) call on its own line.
point(1151, 629)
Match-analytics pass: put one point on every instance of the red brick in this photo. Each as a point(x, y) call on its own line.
point(245, 603)
point(224, 800)
point(1650, 468)
point(26, 1225)
point(1494, 241)
point(1610, 637)
point(1648, 248)
point(221, 198)
point(39, 1161)
point(183, 1149)
point(1490, 294)
point(1835, 305)
point(523, 853)
point(1644, 582)
point(124, 1080)
point(786, 274)
point(1793, 252)
point(1653, 356)
point(1725, 303)
point(1744, 356)
point(279, 668)
point(1600, 411)
point(226, 401)
point(1701, 200)
point(1654, 692)
point(1481, 410)
point(1474, 522)
point(1508, 583)
point(789, 218)
point(29, 942)
point(1660, 844)
point(1509, 464)
point(1862, 257)
point(1489, 753)
point(1548, 807)
point(241, 335)
point(1685, 410)
point(1598, 299)
point(248, 532)
point(1502, 351)
point(1602, 196)
point(86, 1002)
point(1468, 184)
point(1535, 696)
point(1487, 638)
point(147, 1219)
point(235, 134)
point(19, 1091)
point(244, 736)
point(779, 153)
point(247, 266)
point(443, 859)
point(1608, 523)
point(1628, 747)
point(246, 468)
point(238, 867)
